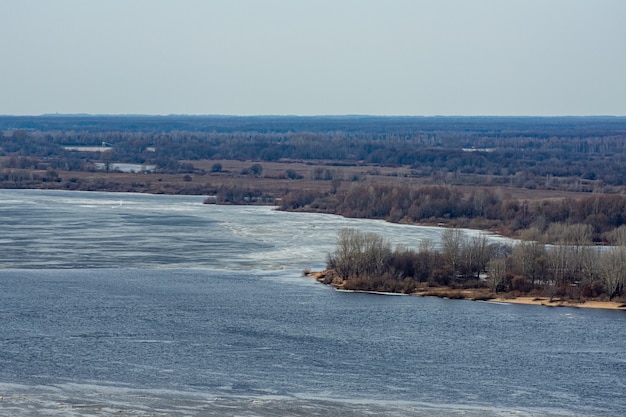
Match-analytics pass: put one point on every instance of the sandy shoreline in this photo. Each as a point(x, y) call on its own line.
point(542, 301)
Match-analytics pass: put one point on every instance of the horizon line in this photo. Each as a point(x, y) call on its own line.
point(347, 115)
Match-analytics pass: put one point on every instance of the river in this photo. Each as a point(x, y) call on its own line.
point(130, 304)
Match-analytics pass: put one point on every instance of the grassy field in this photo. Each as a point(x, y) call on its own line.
point(274, 180)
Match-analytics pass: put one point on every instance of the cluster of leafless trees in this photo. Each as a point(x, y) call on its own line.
point(570, 267)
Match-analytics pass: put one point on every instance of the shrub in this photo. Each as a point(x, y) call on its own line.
point(292, 175)
point(443, 275)
point(593, 290)
point(521, 284)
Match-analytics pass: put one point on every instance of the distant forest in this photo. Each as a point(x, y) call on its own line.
point(576, 153)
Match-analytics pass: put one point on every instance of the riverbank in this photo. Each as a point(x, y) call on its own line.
point(330, 278)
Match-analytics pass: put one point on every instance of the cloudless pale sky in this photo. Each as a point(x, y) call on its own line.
point(313, 57)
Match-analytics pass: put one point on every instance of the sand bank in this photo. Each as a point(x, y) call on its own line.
point(540, 301)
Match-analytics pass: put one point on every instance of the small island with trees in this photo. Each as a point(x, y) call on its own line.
point(570, 272)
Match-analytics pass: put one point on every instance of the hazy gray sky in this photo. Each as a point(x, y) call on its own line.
point(311, 57)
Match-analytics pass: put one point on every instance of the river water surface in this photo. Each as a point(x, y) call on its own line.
point(126, 304)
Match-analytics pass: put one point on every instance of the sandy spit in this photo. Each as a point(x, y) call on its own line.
point(541, 301)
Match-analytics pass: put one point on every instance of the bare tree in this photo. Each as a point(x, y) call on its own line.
point(359, 254)
point(375, 254)
point(529, 256)
point(452, 242)
point(617, 236)
point(613, 269)
point(590, 265)
point(496, 268)
point(426, 245)
point(566, 254)
point(475, 254)
point(345, 255)
point(611, 263)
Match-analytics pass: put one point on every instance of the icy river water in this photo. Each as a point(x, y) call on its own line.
point(143, 305)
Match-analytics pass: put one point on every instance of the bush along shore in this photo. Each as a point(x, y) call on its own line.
point(569, 273)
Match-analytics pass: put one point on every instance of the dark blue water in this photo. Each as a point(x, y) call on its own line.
point(233, 340)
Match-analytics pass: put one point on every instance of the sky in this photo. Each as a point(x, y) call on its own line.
point(313, 57)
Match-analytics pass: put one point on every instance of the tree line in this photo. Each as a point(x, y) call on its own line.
point(483, 209)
